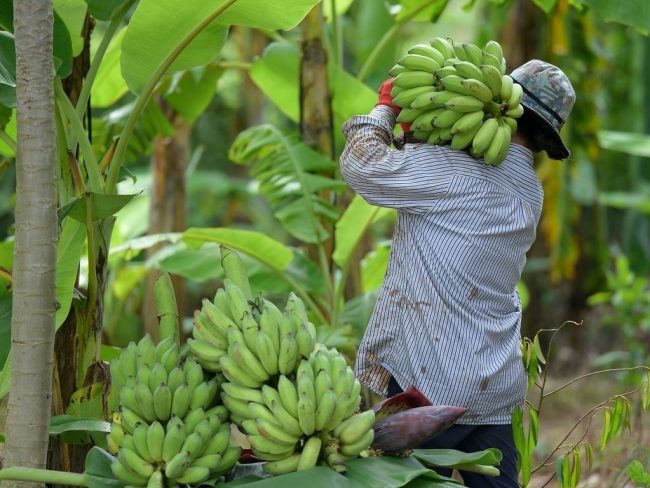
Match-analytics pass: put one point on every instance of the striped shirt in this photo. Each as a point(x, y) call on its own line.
point(448, 316)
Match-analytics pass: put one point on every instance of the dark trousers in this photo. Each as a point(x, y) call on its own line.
point(472, 438)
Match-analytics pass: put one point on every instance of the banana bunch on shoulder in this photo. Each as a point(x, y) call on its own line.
point(168, 427)
point(250, 342)
point(458, 94)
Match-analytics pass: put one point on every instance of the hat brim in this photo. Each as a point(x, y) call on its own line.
point(556, 149)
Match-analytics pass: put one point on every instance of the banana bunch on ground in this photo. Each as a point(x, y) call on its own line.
point(168, 428)
point(250, 341)
point(458, 94)
point(304, 418)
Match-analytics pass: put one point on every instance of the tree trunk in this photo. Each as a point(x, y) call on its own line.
point(168, 207)
point(34, 290)
point(315, 104)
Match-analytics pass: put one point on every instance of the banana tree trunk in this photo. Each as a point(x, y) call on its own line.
point(34, 298)
point(316, 107)
point(76, 342)
point(168, 206)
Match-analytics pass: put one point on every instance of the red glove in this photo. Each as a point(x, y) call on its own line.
point(386, 99)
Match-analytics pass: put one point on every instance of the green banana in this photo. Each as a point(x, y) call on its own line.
point(156, 480)
point(282, 466)
point(505, 145)
point(235, 374)
point(468, 70)
point(129, 419)
point(464, 103)
point(177, 465)
point(304, 339)
point(397, 69)
point(216, 316)
point(288, 355)
point(234, 270)
point(140, 443)
point(158, 376)
point(506, 87)
point(266, 353)
point(268, 446)
point(128, 399)
point(202, 397)
point(310, 454)
point(411, 79)
point(210, 461)
point(194, 418)
point(219, 442)
point(492, 79)
point(228, 459)
point(306, 415)
point(145, 400)
point(208, 333)
point(155, 440)
point(417, 62)
point(446, 71)
point(237, 301)
point(325, 409)
point(357, 447)
point(274, 432)
point(493, 48)
point(204, 350)
point(174, 438)
point(462, 140)
point(260, 410)
point(484, 136)
point(477, 88)
point(286, 420)
point(125, 474)
point(236, 406)
point(243, 356)
point(194, 475)
point(446, 118)
point(424, 121)
point(467, 122)
point(491, 60)
point(453, 83)
point(429, 51)
point(288, 395)
point(242, 393)
point(270, 323)
point(442, 45)
point(409, 114)
point(192, 444)
point(181, 400)
point(131, 460)
point(353, 428)
point(511, 122)
point(495, 149)
point(146, 353)
point(515, 112)
point(162, 402)
point(176, 378)
point(459, 51)
point(250, 329)
point(474, 53)
point(515, 96)
point(129, 360)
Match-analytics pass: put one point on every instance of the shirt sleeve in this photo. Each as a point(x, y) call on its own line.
point(410, 179)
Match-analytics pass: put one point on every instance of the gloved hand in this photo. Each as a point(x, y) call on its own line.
point(386, 99)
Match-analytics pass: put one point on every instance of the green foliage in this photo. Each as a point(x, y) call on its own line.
point(292, 177)
point(628, 298)
point(638, 474)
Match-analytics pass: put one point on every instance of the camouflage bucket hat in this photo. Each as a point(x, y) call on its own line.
point(549, 97)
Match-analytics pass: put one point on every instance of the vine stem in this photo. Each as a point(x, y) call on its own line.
point(147, 91)
point(633, 368)
point(387, 37)
point(43, 476)
point(591, 412)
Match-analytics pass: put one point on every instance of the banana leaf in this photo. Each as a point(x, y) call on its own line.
point(290, 176)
